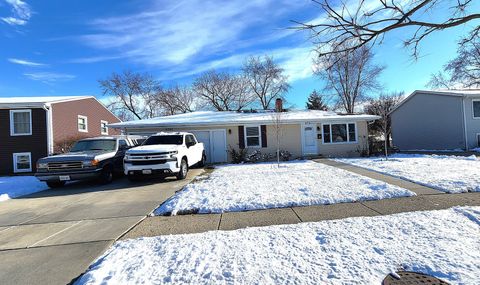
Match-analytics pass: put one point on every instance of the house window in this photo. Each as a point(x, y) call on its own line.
point(82, 124)
point(22, 162)
point(326, 134)
point(103, 127)
point(478, 140)
point(476, 109)
point(339, 133)
point(252, 136)
point(20, 122)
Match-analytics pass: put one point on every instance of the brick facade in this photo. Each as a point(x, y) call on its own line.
point(65, 119)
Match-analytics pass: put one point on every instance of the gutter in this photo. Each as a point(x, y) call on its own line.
point(48, 109)
point(465, 123)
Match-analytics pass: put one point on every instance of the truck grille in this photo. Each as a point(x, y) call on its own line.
point(65, 165)
point(147, 162)
point(148, 154)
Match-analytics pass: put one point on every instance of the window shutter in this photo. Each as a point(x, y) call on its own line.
point(241, 137)
point(263, 130)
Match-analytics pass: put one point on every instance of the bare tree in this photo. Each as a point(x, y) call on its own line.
point(223, 91)
point(382, 106)
point(266, 79)
point(365, 24)
point(132, 94)
point(463, 71)
point(176, 99)
point(349, 75)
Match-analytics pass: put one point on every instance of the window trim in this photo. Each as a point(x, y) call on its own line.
point(478, 139)
point(101, 127)
point(86, 123)
point(348, 133)
point(15, 155)
point(259, 136)
point(473, 109)
point(12, 129)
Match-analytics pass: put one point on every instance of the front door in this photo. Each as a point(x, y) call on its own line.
point(219, 145)
point(309, 131)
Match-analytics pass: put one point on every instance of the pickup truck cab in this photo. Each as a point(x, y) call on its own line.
point(164, 154)
point(91, 158)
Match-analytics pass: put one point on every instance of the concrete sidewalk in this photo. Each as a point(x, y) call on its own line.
point(426, 199)
point(186, 224)
point(414, 187)
point(51, 237)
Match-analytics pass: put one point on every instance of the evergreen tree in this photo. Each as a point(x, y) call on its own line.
point(315, 102)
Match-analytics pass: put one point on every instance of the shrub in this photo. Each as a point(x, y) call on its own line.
point(65, 145)
point(237, 156)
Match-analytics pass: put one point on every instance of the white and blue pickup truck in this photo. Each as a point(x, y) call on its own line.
point(164, 154)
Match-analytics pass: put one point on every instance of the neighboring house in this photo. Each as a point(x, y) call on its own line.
point(30, 127)
point(437, 120)
point(303, 133)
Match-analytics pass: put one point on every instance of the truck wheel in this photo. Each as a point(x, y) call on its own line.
point(106, 176)
point(183, 169)
point(55, 184)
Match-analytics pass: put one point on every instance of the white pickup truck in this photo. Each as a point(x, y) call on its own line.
point(164, 154)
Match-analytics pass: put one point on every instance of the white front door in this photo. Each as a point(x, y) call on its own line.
point(219, 145)
point(309, 138)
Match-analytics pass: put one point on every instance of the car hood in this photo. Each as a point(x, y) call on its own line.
point(78, 156)
point(153, 148)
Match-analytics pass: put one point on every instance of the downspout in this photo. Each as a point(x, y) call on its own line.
point(464, 123)
point(48, 109)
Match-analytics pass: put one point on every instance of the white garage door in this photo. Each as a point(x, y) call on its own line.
point(215, 143)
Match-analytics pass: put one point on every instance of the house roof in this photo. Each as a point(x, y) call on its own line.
point(36, 101)
point(211, 118)
point(441, 92)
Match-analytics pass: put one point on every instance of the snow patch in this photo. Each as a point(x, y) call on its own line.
point(453, 174)
point(360, 250)
point(264, 185)
point(16, 186)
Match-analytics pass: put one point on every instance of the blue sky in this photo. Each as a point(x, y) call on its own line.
point(55, 47)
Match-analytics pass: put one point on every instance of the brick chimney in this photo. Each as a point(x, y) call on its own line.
point(278, 105)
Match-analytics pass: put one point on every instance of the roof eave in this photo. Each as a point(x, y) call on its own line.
point(236, 123)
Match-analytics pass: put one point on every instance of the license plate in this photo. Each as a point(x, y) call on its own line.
point(64, 178)
point(147, 171)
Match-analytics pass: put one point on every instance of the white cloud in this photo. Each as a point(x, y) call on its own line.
point(13, 21)
point(26, 62)
point(49, 77)
point(21, 13)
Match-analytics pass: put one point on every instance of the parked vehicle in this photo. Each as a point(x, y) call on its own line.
point(92, 158)
point(164, 154)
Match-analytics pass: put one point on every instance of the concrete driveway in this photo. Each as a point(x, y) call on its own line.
point(51, 237)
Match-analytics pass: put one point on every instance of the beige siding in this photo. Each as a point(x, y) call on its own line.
point(290, 139)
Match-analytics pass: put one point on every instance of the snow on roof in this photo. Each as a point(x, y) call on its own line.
point(234, 118)
point(38, 100)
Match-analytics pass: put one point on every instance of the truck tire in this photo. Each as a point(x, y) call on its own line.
point(183, 169)
point(55, 184)
point(106, 176)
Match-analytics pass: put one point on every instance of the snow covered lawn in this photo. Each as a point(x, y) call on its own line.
point(263, 185)
point(349, 251)
point(453, 174)
point(15, 186)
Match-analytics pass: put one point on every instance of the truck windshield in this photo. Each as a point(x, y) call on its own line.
point(168, 139)
point(88, 145)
